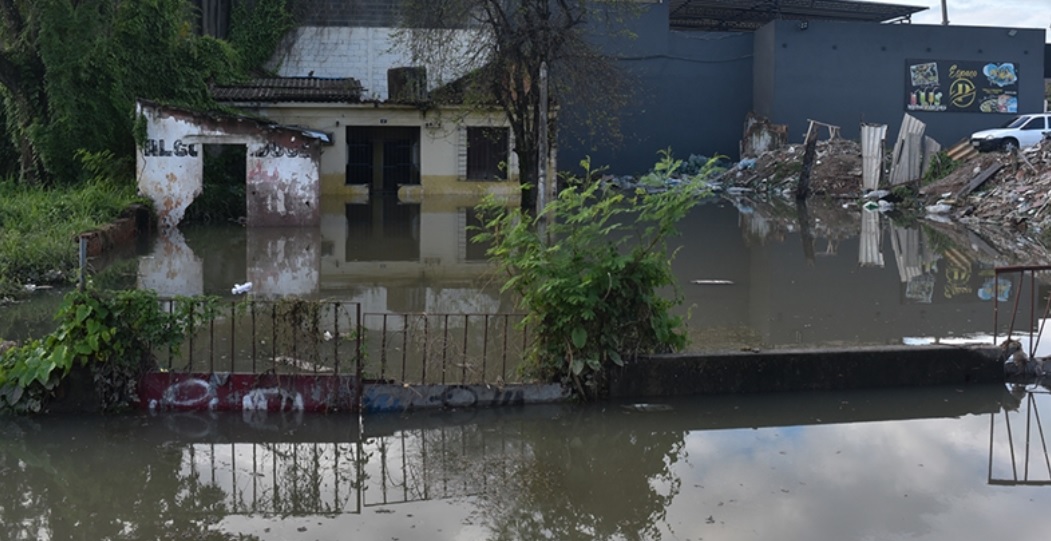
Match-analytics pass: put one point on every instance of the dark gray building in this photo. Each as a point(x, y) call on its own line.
point(702, 65)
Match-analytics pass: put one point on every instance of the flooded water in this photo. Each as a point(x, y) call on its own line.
point(753, 275)
point(930, 464)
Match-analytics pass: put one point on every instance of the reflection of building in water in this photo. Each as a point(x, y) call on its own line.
point(172, 268)
point(395, 256)
point(390, 256)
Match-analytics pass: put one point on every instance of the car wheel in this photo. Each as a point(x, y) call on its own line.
point(1009, 145)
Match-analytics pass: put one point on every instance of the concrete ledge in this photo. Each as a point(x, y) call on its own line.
point(805, 370)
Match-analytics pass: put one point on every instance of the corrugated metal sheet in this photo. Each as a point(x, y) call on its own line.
point(873, 137)
point(908, 151)
point(930, 148)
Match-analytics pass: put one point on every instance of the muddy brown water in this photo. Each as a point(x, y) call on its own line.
point(762, 275)
point(752, 274)
point(932, 464)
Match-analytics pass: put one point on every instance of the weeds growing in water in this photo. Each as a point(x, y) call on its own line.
point(38, 228)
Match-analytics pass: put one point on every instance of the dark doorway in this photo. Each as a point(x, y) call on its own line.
point(223, 184)
point(383, 158)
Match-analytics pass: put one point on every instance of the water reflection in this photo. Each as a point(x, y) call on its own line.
point(391, 256)
point(928, 463)
point(823, 275)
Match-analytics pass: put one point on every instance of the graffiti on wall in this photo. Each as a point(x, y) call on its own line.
point(158, 148)
point(273, 150)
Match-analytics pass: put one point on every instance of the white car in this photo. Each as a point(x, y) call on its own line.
point(1021, 132)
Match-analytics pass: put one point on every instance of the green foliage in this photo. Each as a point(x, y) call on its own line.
point(940, 167)
point(111, 333)
point(591, 295)
point(256, 31)
point(80, 66)
point(38, 228)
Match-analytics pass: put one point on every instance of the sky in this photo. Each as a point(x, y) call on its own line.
point(1007, 13)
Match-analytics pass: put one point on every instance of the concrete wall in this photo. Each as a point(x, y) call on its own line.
point(692, 91)
point(365, 13)
point(282, 166)
point(846, 73)
point(777, 371)
point(442, 144)
point(362, 52)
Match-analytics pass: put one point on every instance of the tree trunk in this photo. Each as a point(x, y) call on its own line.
point(528, 173)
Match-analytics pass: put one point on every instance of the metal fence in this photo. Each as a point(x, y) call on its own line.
point(1026, 308)
point(331, 337)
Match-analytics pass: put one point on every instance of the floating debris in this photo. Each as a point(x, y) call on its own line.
point(648, 408)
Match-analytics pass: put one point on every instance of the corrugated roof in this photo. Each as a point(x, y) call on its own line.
point(285, 89)
point(749, 15)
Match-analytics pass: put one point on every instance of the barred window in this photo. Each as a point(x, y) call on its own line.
point(487, 150)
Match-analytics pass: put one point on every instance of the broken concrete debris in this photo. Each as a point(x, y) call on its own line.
point(1003, 189)
point(1010, 190)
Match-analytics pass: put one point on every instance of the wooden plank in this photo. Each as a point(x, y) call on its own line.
point(979, 180)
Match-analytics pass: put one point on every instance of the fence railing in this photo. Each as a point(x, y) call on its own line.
point(331, 337)
point(1028, 308)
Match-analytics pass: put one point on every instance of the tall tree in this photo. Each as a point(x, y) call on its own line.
point(502, 44)
point(70, 71)
point(22, 79)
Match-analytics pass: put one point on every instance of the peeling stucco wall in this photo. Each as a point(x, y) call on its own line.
point(283, 165)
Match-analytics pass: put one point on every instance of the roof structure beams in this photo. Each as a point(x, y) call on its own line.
point(748, 15)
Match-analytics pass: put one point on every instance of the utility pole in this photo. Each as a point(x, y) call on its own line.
point(542, 155)
point(945, 13)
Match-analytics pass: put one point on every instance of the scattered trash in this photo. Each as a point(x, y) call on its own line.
point(712, 282)
point(836, 170)
point(1009, 190)
point(940, 208)
point(648, 408)
point(241, 288)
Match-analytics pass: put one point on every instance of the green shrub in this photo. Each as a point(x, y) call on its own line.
point(591, 293)
point(111, 333)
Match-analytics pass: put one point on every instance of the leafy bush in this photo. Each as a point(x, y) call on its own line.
point(591, 293)
point(940, 167)
point(111, 333)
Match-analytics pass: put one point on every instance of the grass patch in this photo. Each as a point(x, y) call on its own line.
point(38, 227)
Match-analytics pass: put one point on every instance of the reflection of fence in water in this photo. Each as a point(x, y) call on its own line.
point(1024, 439)
point(287, 479)
point(326, 337)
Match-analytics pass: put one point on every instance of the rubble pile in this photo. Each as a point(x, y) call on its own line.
point(1018, 196)
point(836, 172)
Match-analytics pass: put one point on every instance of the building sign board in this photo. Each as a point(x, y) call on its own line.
point(961, 86)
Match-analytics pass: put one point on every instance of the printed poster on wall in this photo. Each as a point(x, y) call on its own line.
point(961, 86)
